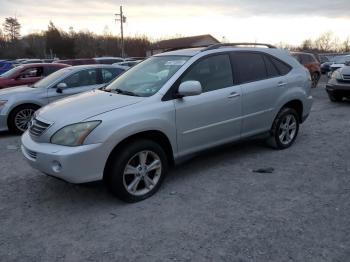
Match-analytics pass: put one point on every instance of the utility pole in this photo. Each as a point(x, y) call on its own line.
point(122, 19)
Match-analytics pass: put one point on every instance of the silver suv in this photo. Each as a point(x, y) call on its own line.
point(167, 108)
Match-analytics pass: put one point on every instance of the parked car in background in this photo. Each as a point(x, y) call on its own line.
point(18, 104)
point(127, 64)
point(165, 109)
point(27, 74)
point(5, 66)
point(32, 61)
point(108, 60)
point(338, 85)
point(74, 62)
point(311, 63)
point(339, 62)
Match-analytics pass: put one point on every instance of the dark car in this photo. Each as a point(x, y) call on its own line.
point(27, 74)
point(311, 63)
point(5, 66)
point(338, 85)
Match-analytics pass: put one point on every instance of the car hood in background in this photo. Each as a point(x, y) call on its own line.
point(11, 91)
point(345, 70)
point(79, 107)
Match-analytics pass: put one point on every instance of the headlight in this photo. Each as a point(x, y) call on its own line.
point(3, 102)
point(74, 135)
point(336, 75)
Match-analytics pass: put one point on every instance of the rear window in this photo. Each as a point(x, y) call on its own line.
point(282, 67)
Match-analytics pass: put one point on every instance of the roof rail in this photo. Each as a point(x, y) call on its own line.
point(216, 46)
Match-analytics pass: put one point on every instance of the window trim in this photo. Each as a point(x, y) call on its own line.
point(171, 93)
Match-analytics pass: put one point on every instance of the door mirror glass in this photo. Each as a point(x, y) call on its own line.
point(190, 88)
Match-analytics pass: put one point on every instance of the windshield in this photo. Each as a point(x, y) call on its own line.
point(145, 79)
point(45, 82)
point(12, 71)
point(341, 59)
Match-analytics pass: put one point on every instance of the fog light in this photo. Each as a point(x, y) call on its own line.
point(56, 166)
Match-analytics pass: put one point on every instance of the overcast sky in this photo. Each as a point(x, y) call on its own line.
point(273, 21)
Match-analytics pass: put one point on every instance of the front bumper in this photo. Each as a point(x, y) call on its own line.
point(79, 164)
point(338, 88)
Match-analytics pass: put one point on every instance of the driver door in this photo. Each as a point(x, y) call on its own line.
point(78, 82)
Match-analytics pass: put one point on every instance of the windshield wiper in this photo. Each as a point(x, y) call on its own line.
point(124, 92)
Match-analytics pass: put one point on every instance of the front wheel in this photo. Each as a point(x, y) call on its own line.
point(137, 170)
point(335, 97)
point(20, 117)
point(285, 129)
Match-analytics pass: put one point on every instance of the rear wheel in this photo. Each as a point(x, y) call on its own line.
point(335, 97)
point(285, 129)
point(137, 171)
point(315, 77)
point(20, 117)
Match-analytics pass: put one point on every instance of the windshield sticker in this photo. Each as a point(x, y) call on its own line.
point(175, 63)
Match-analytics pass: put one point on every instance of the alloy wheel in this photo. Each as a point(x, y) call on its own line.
point(23, 118)
point(142, 173)
point(287, 129)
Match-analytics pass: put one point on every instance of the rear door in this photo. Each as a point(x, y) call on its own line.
point(262, 84)
point(214, 117)
point(78, 82)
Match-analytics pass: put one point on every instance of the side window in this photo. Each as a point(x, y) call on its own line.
point(250, 66)
point(50, 69)
point(32, 72)
point(109, 74)
point(282, 67)
point(272, 70)
point(213, 73)
point(82, 78)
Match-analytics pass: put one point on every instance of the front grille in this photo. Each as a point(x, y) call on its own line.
point(30, 153)
point(37, 128)
point(346, 77)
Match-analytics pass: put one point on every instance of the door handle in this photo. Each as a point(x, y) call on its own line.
point(282, 84)
point(233, 95)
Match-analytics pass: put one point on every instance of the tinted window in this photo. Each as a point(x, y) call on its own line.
point(271, 68)
point(82, 78)
point(50, 69)
point(212, 72)
point(250, 66)
point(108, 74)
point(282, 67)
point(32, 72)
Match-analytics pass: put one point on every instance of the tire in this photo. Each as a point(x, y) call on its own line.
point(335, 97)
point(19, 118)
point(136, 184)
point(315, 77)
point(279, 126)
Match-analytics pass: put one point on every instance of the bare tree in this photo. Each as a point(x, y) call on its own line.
point(12, 28)
point(325, 41)
point(346, 45)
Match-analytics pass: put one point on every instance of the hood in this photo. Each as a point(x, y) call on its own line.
point(345, 70)
point(16, 90)
point(80, 107)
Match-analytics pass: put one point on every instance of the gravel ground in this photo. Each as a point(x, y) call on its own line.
point(212, 208)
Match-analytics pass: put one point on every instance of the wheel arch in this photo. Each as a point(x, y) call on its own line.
point(154, 135)
point(297, 105)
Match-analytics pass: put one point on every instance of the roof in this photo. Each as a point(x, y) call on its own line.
point(192, 41)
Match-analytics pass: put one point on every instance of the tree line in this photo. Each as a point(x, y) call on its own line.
point(54, 42)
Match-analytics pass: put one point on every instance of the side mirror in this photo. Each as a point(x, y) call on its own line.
point(189, 88)
point(60, 87)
